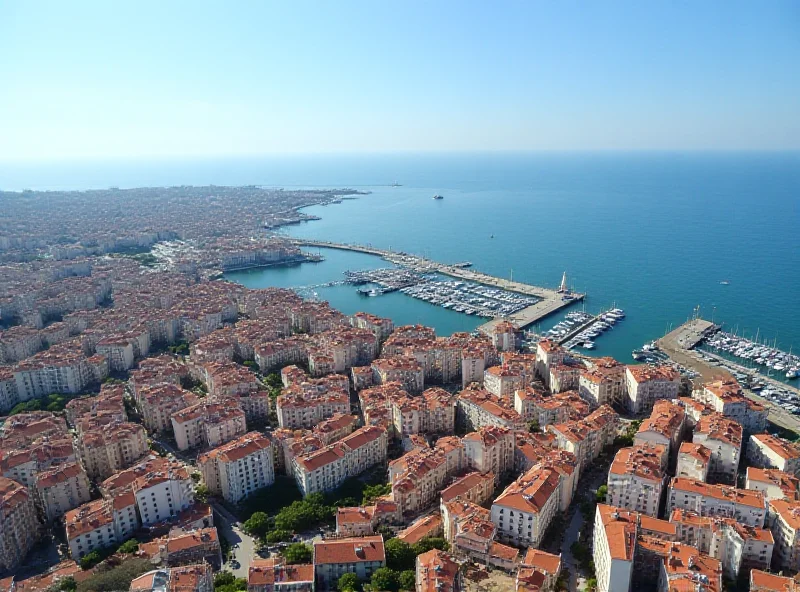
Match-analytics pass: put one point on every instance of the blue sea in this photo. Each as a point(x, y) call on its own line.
point(652, 233)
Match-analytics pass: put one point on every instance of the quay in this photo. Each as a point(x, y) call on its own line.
point(679, 345)
point(549, 300)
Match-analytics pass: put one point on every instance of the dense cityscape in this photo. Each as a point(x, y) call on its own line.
point(168, 430)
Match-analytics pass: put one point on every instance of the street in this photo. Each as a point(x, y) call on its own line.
point(243, 546)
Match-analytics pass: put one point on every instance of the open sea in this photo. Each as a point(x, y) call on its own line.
point(652, 233)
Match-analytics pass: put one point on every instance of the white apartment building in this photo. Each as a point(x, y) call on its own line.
point(525, 509)
point(774, 484)
point(548, 354)
point(665, 426)
point(502, 381)
point(61, 489)
point(746, 506)
point(108, 449)
point(238, 468)
point(490, 449)
point(333, 558)
point(726, 397)
point(101, 523)
point(768, 451)
point(694, 462)
point(209, 423)
point(735, 545)
point(603, 384)
point(327, 468)
point(20, 527)
point(636, 480)
point(613, 548)
point(786, 531)
point(723, 437)
point(644, 385)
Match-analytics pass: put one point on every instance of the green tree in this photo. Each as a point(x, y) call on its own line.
point(399, 555)
point(348, 583)
point(429, 543)
point(89, 560)
point(67, 584)
point(130, 546)
point(223, 578)
point(601, 494)
point(116, 578)
point(273, 380)
point(385, 579)
point(533, 427)
point(372, 492)
point(297, 553)
point(408, 579)
point(257, 525)
point(276, 536)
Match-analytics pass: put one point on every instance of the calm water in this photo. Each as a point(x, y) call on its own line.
point(654, 233)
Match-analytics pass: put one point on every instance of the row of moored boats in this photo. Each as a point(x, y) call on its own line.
point(584, 339)
point(769, 357)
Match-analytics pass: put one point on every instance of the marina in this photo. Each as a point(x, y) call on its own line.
point(753, 354)
point(580, 329)
point(546, 301)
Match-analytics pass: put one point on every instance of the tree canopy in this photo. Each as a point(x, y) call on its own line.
point(298, 553)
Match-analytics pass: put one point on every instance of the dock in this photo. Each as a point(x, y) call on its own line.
point(679, 346)
point(550, 301)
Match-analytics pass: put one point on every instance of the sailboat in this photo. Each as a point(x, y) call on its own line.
point(563, 289)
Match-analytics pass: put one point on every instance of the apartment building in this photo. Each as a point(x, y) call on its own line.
point(502, 381)
point(565, 376)
point(785, 526)
point(548, 354)
point(613, 547)
point(684, 568)
point(761, 581)
point(644, 385)
point(274, 575)
point(20, 526)
point(436, 570)
point(161, 488)
point(490, 450)
point(726, 397)
point(335, 557)
point(422, 527)
point(735, 545)
point(355, 521)
point(665, 426)
point(534, 405)
point(694, 461)
point(101, 523)
point(473, 487)
point(636, 479)
point(209, 423)
point(306, 404)
point(603, 383)
point(335, 427)
point(405, 370)
point(433, 412)
point(418, 476)
point(768, 451)
point(158, 402)
point(774, 484)
point(586, 438)
point(477, 407)
point(746, 506)
point(107, 449)
point(61, 489)
point(187, 578)
point(525, 509)
point(723, 437)
point(327, 468)
point(239, 468)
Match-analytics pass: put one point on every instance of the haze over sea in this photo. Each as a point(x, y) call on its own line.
point(654, 233)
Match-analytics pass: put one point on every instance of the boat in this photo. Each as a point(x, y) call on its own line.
point(725, 282)
point(491, 236)
point(437, 196)
point(588, 345)
point(396, 184)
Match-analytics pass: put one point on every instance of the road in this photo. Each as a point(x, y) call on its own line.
point(243, 545)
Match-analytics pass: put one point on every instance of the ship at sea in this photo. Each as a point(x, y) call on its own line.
point(437, 196)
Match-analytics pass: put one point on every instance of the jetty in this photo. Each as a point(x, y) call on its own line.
point(548, 302)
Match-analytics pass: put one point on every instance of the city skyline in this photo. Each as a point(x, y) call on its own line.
point(92, 81)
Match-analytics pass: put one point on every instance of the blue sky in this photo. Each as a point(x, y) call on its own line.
point(98, 79)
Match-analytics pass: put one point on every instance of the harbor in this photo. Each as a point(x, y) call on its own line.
point(753, 354)
point(681, 347)
point(542, 301)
